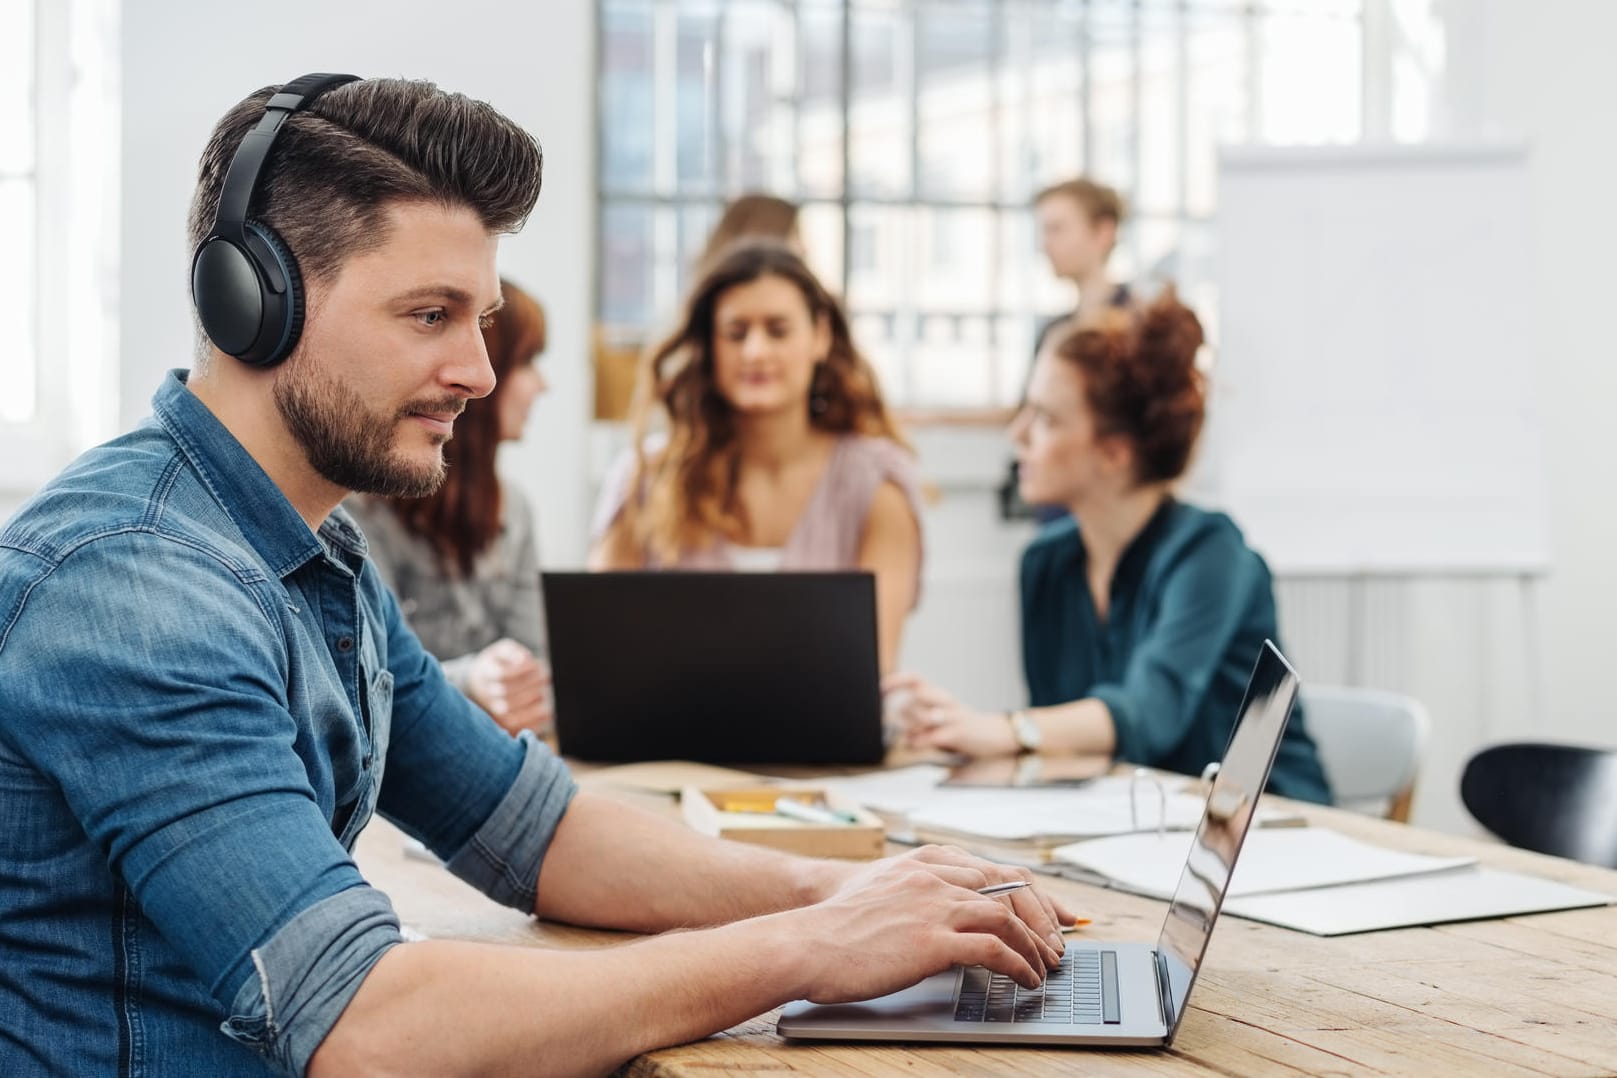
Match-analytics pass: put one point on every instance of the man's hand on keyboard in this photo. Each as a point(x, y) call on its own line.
point(893, 922)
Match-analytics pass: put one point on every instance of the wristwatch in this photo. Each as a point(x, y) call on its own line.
point(1027, 732)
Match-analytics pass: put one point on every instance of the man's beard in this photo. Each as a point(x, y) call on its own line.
point(349, 444)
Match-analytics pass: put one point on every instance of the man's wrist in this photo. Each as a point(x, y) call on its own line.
point(817, 879)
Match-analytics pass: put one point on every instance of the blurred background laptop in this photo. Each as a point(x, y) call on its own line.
point(715, 667)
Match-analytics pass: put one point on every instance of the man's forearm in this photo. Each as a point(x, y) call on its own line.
point(442, 1007)
point(613, 865)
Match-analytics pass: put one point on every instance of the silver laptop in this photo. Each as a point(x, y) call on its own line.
point(1105, 994)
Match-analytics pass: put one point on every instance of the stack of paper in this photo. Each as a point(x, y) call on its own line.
point(1467, 895)
point(1318, 881)
point(1054, 816)
point(1273, 859)
point(1024, 825)
point(896, 792)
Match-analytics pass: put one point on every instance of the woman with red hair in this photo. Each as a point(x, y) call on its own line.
point(1141, 615)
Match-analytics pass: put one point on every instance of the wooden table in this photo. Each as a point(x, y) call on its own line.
point(1523, 996)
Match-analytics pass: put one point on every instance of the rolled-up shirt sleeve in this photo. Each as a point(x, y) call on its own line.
point(502, 859)
point(169, 734)
point(304, 976)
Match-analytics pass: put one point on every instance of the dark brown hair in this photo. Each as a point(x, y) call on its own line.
point(690, 486)
point(338, 164)
point(752, 216)
point(462, 519)
point(1100, 202)
point(1141, 381)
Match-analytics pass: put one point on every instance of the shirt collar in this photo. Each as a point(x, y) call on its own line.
point(243, 489)
point(1137, 554)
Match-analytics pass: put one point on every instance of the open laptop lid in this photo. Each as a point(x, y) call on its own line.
point(1205, 879)
point(744, 669)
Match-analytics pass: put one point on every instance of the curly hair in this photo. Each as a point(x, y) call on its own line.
point(687, 489)
point(1141, 381)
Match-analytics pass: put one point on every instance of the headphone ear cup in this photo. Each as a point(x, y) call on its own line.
point(228, 290)
point(283, 309)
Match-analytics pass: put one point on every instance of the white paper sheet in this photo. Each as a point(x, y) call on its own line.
point(897, 791)
point(1465, 895)
point(1272, 860)
point(1098, 808)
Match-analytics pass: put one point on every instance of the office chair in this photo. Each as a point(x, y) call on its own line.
point(1555, 799)
point(1370, 743)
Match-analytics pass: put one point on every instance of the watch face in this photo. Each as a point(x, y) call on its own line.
point(1027, 731)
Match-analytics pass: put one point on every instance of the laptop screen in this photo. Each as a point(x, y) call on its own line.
point(1241, 777)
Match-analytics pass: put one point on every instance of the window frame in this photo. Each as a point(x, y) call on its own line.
point(74, 257)
point(1247, 19)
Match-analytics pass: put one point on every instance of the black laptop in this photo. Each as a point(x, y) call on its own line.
point(723, 668)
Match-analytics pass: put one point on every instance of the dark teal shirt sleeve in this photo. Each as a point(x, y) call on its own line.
point(1204, 601)
point(1190, 607)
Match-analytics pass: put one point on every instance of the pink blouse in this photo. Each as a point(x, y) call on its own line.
point(827, 535)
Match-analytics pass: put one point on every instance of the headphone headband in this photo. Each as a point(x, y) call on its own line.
point(241, 179)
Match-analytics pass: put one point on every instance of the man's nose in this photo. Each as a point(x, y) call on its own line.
point(471, 370)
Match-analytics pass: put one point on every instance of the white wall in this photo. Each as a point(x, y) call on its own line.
point(1542, 70)
point(535, 62)
point(1494, 660)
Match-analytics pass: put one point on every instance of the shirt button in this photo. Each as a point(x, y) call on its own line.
point(345, 643)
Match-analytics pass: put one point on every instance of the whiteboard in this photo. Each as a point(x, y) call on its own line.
point(1374, 406)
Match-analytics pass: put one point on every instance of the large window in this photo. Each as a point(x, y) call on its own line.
point(19, 169)
point(58, 227)
point(914, 133)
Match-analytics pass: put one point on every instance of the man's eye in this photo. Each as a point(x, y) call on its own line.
point(430, 318)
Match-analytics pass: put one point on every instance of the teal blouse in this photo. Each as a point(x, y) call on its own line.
point(1190, 606)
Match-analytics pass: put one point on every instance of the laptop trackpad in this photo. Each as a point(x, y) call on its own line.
point(932, 999)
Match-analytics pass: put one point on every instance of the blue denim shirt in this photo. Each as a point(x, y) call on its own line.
point(199, 699)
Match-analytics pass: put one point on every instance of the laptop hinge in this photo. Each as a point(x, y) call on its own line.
point(1164, 992)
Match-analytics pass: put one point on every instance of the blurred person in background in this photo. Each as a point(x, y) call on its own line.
point(752, 216)
point(1141, 615)
point(777, 451)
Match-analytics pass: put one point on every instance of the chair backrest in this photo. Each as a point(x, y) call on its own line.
point(1370, 744)
point(1556, 799)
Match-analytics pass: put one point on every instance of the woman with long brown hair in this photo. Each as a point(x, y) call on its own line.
point(1141, 615)
point(464, 561)
point(778, 452)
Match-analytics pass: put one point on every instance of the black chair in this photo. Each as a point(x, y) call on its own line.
point(1555, 799)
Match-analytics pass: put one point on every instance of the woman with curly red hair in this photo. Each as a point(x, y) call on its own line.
point(1141, 615)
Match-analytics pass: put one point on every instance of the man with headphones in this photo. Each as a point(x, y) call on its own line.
point(207, 692)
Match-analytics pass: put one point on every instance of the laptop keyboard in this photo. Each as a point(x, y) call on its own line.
point(1081, 991)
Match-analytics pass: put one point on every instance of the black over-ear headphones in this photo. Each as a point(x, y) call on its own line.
point(244, 280)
